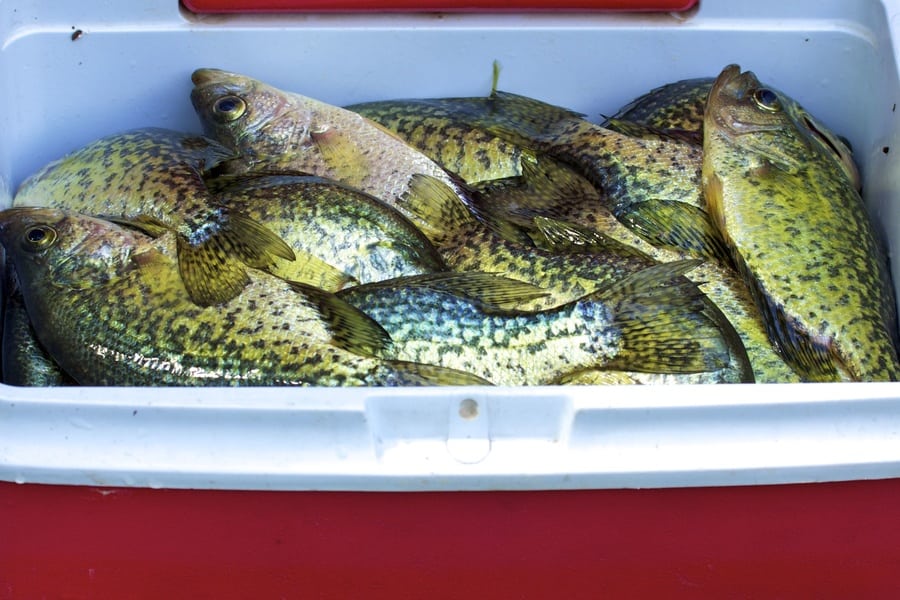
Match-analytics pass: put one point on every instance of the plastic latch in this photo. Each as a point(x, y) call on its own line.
point(468, 431)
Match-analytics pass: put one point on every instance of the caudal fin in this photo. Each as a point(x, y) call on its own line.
point(664, 323)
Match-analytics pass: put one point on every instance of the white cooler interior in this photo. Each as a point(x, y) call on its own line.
point(130, 66)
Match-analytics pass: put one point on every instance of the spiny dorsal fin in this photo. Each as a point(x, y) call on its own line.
point(435, 207)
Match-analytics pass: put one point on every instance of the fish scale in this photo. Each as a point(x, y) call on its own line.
point(799, 231)
point(123, 317)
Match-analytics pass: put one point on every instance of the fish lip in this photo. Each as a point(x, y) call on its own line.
point(208, 75)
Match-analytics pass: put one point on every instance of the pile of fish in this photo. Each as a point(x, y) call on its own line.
point(712, 231)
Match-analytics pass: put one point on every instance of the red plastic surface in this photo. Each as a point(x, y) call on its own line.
point(837, 540)
point(223, 6)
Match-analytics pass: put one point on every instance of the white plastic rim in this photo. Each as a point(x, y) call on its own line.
point(130, 66)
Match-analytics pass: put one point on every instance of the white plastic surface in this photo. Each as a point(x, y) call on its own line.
point(130, 66)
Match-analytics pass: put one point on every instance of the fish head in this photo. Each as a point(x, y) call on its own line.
point(762, 122)
point(63, 248)
point(246, 115)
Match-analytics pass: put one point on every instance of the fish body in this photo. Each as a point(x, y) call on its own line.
point(678, 105)
point(799, 232)
point(638, 323)
point(444, 130)
point(677, 109)
point(109, 305)
point(155, 177)
point(278, 131)
point(650, 184)
point(362, 238)
point(24, 360)
point(457, 132)
point(510, 181)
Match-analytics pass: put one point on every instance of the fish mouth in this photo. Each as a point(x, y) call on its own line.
point(730, 89)
point(206, 76)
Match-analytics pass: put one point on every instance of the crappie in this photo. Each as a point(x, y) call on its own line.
point(110, 306)
point(570, 199)
point(510, 181)
point(799, 232)
point(357, 235)
point(277, 131)
point(154, 177)
point(638, 323)
point(677, 109)
point(25, 362)
point(677, 106)
point(651, 184)
point(467, 245)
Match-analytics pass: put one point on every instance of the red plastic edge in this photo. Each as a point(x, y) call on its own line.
point(256, 6)
point(820, 540)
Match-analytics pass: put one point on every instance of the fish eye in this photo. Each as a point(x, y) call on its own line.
point(39, 237)
point(228, 108)
point(766, 99)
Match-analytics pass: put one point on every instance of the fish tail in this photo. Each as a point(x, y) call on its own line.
point(663, 323)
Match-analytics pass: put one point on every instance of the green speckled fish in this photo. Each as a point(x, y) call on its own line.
point(651, 321)
point(799, 232)
point(110, 307)
point(356, 234)
point(154, 177)
point(675, 106)
point(24, 360)
point(536, 189)
point(277, 131)
point(651, 184)
point(676, 110)
point(511, 182)
point(468, 245)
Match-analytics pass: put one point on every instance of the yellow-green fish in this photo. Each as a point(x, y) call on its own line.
point(155, 177)
point(799, 232)
point(509, 181)
point(676, 110)
point(24, 360)
point(274, 130)
point(108, 304)
point(677, 106)
point(651, 184)
point(361, 238)
point(548, 199)
point(651, 321)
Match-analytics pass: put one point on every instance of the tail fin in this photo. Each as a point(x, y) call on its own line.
point(663, 321)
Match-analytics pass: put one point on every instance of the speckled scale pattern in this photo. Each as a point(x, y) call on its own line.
point(676, 105)
point(441, 129)
point(801, 234)
point(348, 229)
point(135, 325)
point(286, 131)
point(150, 171)
point(506, 348)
